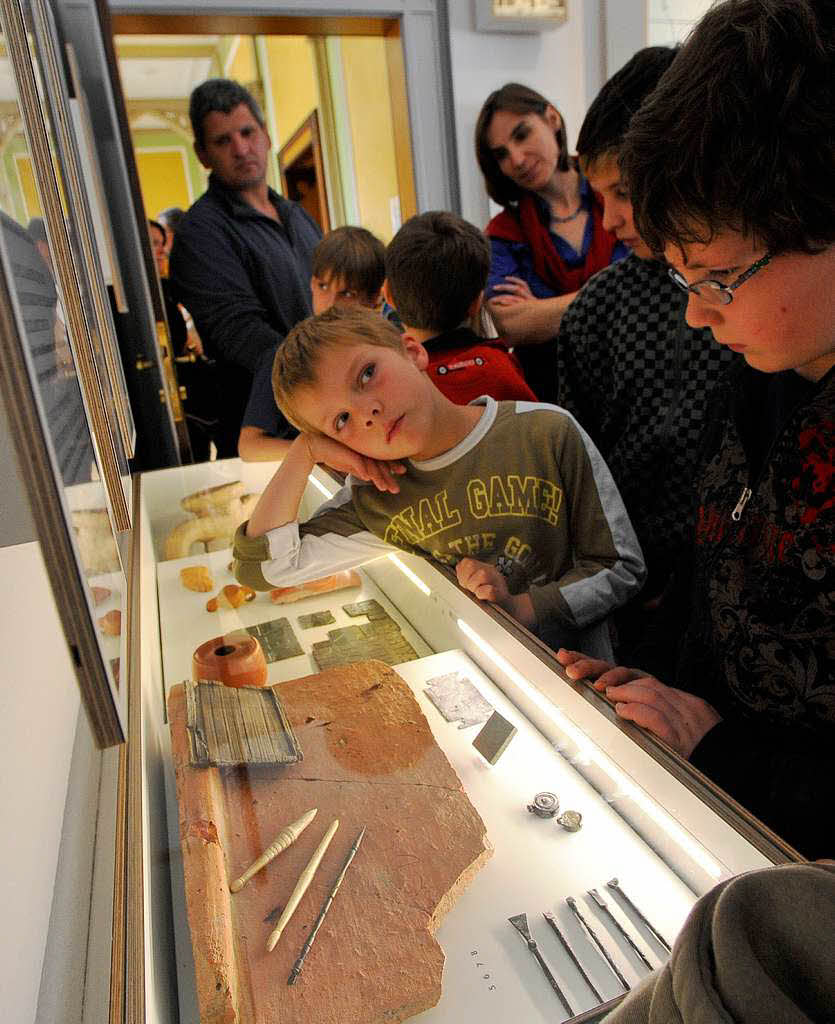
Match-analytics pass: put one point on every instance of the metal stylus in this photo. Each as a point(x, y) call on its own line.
point(297, 966)
point(604, 906)
point(567, 947)
point(590, 932)
point(613, 884)
point(520, 923)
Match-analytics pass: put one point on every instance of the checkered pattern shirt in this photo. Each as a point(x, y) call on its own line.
point(637, 378)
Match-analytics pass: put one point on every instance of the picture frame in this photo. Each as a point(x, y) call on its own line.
point(519, 15)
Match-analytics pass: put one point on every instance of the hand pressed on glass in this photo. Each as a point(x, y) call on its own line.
point(678, 718)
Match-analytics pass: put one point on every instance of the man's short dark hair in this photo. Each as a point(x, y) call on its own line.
point(607, 119)
point(221, 95)
point(436, 266)
point(738, 135)
point(353, 255)
point(518, 99)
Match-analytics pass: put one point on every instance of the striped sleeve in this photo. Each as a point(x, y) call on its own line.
point(332, 540)
point(607, 564)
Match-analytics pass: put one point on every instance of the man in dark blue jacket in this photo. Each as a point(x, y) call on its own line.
point(241, 260)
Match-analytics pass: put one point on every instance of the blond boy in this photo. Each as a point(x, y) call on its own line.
point(348, 269)
point(512, 494)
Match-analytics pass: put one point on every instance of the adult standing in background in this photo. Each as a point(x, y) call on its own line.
point(241, 259)
point(170, 218)
point(550, 238)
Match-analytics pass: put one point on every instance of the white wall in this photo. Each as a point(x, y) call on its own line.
point(671, 20)
point(39, 707)
point(564, 64)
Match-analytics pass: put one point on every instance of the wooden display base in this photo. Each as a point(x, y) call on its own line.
point(369, 759)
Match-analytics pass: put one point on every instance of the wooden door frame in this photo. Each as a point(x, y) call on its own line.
point(308, 135)
point(418, 58)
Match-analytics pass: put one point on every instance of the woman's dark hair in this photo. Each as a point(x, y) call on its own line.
point(160, 227)
point(739, 134)
point(518, 99)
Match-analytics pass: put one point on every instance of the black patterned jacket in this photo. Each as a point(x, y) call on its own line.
point(760, 645)
point(637, 378)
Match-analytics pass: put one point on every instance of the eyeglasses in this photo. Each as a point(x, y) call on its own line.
point(714, 291)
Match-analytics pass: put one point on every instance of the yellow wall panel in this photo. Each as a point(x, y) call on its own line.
point(31, 199)
point(369, 106)
point(162, 179)
point(242, 68)
point(293, 81)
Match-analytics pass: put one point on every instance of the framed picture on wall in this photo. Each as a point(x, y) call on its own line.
point(55, 411)
point(519, 15)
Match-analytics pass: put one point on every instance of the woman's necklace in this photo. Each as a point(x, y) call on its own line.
point(564, 220)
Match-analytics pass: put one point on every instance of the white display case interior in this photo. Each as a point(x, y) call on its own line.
point(640, 822)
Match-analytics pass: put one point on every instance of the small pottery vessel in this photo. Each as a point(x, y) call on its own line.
point(235, 659)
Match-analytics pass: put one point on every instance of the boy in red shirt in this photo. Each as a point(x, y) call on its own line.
point(436, 270)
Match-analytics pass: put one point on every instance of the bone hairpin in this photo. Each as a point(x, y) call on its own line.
point(304, 881)
point(288, 835)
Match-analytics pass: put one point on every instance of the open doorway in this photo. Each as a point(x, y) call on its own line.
point(335, 107)
point(302, 171)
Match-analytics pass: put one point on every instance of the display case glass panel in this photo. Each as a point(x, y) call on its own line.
point(645, 834)
point(62, 459)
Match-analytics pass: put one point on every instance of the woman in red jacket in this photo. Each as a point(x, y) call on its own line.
point(550, 237)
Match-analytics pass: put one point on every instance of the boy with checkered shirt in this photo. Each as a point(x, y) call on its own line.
point(629, 367)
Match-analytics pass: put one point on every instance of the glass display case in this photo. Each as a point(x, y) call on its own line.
point(575, 801)
point(492, 790)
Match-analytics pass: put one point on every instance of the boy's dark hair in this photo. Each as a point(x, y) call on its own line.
point(518, 99)
point(607, 119)
point(355, 256)
point(739, 133)
point(222, 95)
point(436, 266)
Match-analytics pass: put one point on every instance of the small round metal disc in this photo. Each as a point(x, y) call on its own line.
point(571, 821)
point(545, 805)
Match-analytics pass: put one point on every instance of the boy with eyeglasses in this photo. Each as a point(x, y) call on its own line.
point(629, 366)
point(731, 160)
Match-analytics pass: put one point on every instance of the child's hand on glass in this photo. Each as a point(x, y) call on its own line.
point(345, 460)
point(488, 584)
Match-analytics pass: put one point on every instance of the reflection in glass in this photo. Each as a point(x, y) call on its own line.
point(34, 277)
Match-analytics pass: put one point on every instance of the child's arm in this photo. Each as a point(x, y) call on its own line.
point(279, 503)
point(277, 551)
point(256, 445)
point(608, 565)
point(488, 584)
